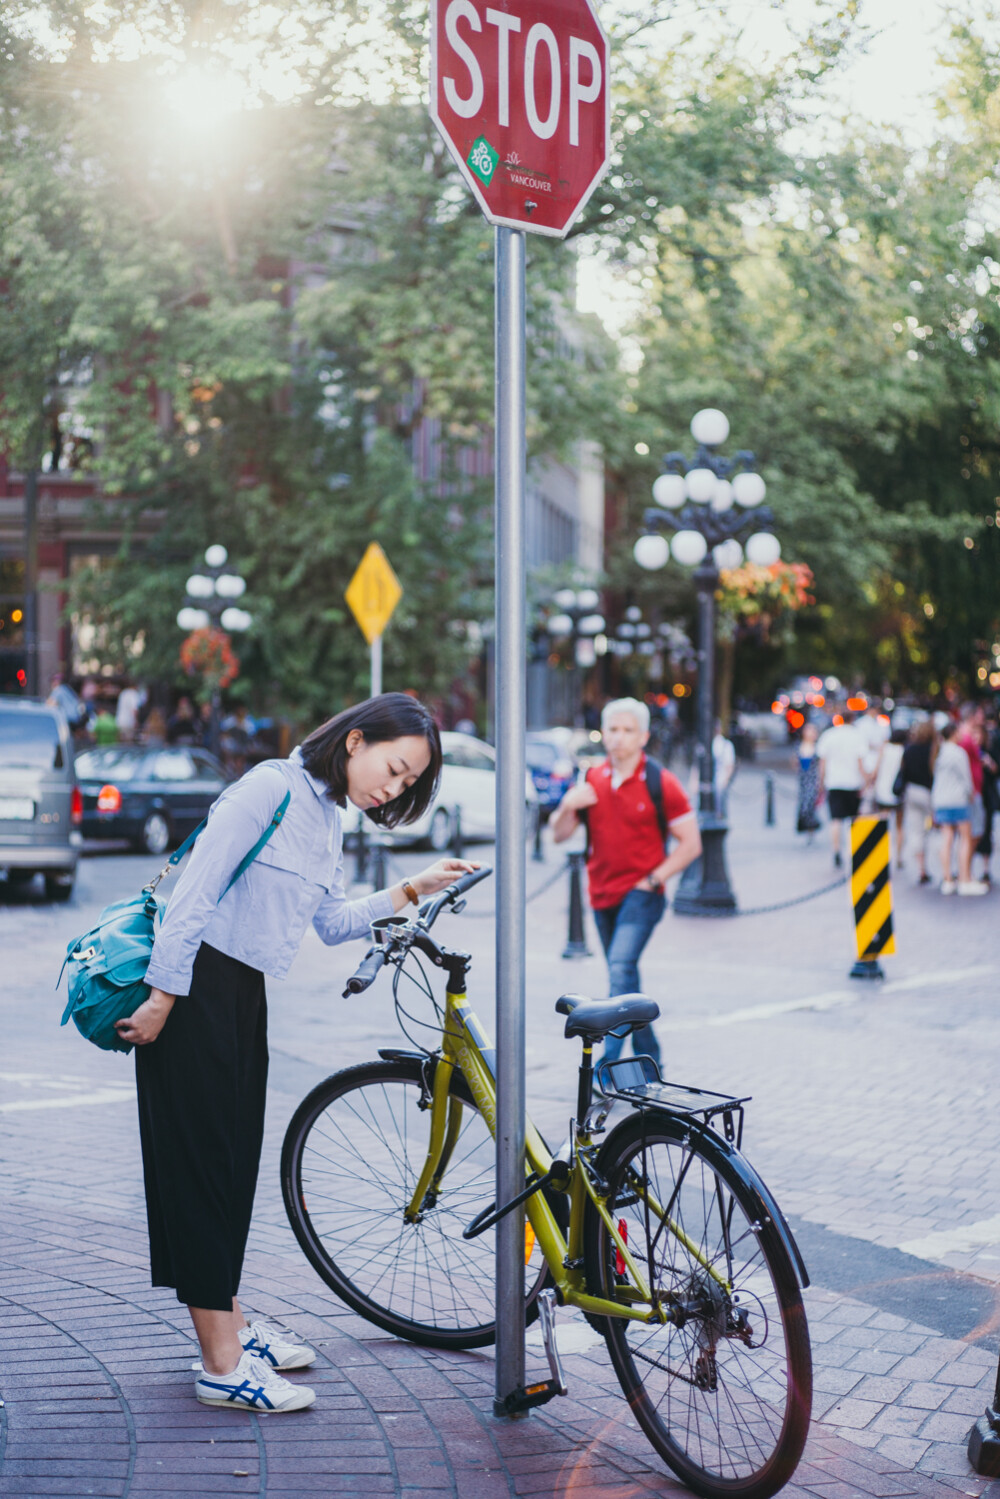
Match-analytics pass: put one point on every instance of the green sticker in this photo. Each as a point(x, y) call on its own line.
point(483, 160)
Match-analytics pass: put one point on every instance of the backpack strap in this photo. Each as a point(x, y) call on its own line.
point(178, 854)
point(654, 785)
point(268, 833)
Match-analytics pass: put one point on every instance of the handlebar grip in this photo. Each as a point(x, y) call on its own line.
point(466, 881)
point(366, 972)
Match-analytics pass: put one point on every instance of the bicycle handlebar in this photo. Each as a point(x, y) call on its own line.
point(375, 958)
point(366, 972)
point(431, 909)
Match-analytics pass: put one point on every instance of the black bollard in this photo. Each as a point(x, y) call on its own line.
point(537, 852)
point(361, 852)
point(576, 942)
point(457, 845)
point(769, 800)
point(984, 1439)
point(380, 865)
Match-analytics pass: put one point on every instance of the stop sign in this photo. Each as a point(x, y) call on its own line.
point(519, 90)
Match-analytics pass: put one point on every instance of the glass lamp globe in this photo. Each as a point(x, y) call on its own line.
point(564, 598)
point(689, 548)
point(192, 619)
point(199, 587)
point(627, 631)
point(216, 556)
point(763, 548)
point(710, 427)
point(236, 619)
point(591, 624)
point(559, 624)
point(670, 491)
point(642, 630)
point(701, 485)
point(749, 489)
point(722, 499)
point(651, 552)
point(728, 553)
point(633, 614)
point(230, 586)
point(587, 598)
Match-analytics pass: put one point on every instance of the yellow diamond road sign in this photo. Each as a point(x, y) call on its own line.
point(373, 592)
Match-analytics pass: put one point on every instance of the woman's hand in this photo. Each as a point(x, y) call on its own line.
point(146, 1023)
point(437, 876)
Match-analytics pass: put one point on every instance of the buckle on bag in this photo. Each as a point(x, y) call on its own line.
point(84, 954)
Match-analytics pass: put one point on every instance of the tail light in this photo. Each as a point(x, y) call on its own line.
point(619, 1257)
point(76, 807)
point(109, 799)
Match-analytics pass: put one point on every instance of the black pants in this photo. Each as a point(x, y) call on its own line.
point(202, 1085)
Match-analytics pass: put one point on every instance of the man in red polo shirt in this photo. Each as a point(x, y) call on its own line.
point(628, 864)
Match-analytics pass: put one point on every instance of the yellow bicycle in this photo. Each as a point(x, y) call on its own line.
point(650, 1220)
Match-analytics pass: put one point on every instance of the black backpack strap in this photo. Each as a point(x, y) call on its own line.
point(654, 784)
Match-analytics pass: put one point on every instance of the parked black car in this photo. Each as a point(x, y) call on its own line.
point(153, 797)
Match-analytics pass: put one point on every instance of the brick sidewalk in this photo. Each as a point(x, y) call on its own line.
point(871, 1121)
point(98, 1387)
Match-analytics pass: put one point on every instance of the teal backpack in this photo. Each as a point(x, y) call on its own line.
point(107, 965)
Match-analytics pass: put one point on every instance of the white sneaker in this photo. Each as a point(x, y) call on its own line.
point(276, 1348)
point(973, 887)
point(253, 1385)
point(948, 887)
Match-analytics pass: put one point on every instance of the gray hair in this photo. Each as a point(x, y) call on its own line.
point(632, 705)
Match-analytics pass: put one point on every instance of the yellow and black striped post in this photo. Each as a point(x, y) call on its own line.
point(871, 895)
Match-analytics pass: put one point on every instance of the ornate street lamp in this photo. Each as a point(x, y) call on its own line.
point(713, 505)
point(579, 620)
point(210, 599)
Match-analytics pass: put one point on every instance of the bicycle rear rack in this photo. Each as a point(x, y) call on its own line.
point(637, 1082)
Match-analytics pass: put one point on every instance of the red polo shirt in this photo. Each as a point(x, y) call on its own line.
point(625, 842)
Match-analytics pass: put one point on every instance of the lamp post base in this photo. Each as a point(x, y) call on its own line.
point(704, 889)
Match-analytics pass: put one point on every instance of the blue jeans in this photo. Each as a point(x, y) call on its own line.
point(624, 931)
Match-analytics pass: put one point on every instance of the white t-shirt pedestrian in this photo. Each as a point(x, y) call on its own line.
point(127, 711)
point(723, 761)
point(873, 734)
point(890, 760)
point(841, 749)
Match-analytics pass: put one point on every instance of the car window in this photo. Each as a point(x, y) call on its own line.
point(175, 766)
point(477, 759)
point(540, 754)
point(454, 756)
point(108, 764)
point(30, 739)
point(206, 766)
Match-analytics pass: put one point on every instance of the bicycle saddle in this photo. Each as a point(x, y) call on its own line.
point(595, 1017)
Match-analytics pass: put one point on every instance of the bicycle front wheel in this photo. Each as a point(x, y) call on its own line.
point(723, 1389)
point(352, 1156)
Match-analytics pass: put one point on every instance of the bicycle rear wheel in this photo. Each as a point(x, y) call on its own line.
point(351, 1159)
point(724, 1390)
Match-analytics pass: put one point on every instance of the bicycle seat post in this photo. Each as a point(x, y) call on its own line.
point(586, 1083)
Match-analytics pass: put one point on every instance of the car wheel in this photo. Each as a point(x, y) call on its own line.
point(20, 877)
point(59, 886)
point(155, 835)
point(439, 834)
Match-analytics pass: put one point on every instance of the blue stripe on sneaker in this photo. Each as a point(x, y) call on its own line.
point(262, 1349)
point(242, 1392)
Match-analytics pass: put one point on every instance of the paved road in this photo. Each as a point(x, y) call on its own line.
point(872, 1120)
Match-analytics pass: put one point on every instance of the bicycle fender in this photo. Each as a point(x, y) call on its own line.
point(770, 1209)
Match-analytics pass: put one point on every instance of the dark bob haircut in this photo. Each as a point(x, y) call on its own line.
point(393, 715)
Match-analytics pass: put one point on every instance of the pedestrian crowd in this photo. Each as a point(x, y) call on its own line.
point(938, 776)
point(98, 715)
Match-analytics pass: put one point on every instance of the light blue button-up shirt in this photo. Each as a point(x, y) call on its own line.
point(297, 878)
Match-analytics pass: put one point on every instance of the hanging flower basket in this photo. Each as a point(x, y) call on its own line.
point(208, 654)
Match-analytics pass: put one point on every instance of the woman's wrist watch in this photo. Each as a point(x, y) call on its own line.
point(410, 891)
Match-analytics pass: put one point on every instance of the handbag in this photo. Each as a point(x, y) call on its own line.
point(107, 965)
point(899, 784)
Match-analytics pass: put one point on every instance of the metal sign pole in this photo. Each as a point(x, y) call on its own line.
point(376, 666)
point(510, 809)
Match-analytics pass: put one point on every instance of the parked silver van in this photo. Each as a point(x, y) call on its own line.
point(41, 808)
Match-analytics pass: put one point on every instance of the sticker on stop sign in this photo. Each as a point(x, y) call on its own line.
point(520, 93)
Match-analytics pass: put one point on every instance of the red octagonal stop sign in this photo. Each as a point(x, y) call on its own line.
point(519, 90)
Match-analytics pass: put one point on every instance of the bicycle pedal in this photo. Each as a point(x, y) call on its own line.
point(547, 1316)
point(526, 1397)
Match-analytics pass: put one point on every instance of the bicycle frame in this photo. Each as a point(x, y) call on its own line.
point(466, 1046)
